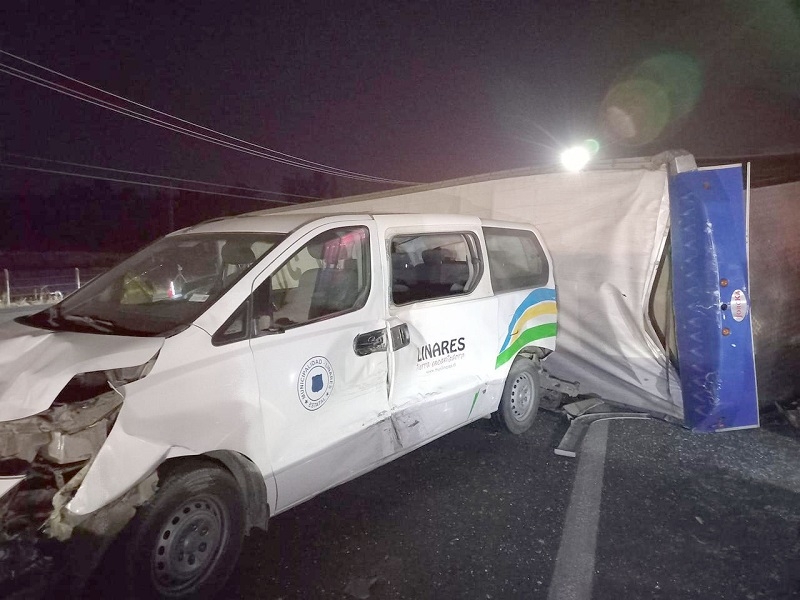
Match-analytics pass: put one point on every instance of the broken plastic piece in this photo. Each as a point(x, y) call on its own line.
point(580, 425)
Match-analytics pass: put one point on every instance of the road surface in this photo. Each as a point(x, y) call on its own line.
point(647, 510)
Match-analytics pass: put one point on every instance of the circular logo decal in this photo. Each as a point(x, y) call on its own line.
point(315, 384)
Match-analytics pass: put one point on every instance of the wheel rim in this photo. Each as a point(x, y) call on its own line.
point(522, 397)
point(189, 543)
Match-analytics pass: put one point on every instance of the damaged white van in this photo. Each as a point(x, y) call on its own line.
point(236, 368)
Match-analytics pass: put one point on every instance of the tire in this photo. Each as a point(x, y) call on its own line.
point(186, 540)
point(520, 401)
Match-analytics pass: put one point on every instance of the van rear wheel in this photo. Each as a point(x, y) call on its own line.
point(520, 401)
point(186, 540)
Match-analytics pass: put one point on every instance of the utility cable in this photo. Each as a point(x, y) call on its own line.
point(208, 183)
point(281, 156)
point(154, 185)
point(129, 113)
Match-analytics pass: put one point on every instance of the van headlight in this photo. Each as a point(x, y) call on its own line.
point(118, 377)
point(85, 386)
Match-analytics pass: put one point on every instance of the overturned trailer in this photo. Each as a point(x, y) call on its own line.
point(652, 261)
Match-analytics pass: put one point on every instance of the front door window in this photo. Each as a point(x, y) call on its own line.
point(328, 276)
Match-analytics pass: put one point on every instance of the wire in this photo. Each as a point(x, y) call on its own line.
point(129, 113)
point(220, 185)
point(289, 156)
point(281, 156)
point(154, 185)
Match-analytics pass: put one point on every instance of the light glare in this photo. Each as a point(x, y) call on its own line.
point(575, 158)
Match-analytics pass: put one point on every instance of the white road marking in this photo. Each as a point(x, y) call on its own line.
point(574, 572)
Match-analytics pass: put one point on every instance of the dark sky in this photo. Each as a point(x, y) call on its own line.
point(417, 91)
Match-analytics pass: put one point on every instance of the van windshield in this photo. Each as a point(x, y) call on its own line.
point(161, 289)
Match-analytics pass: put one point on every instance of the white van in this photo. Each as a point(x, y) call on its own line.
point(237, 368)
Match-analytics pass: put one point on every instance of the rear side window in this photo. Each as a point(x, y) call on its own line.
point(433, 265)
point(516, 259)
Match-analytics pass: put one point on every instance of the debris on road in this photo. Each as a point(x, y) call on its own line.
point(585, 412)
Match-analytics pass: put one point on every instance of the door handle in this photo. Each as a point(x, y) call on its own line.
point(370, 342)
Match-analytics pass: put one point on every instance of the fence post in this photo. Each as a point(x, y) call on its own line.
point(8, 287)
point(77, 278)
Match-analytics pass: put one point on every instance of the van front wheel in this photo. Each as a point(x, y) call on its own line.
point(185, 542)
point(520, 401)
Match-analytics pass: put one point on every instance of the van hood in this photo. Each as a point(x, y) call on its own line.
point(36, 364)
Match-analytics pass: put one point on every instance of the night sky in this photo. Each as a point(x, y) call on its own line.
point(413, 91)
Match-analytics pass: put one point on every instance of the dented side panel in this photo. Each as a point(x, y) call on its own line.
point(175, 407)
point(119, 465)
point(441, 375)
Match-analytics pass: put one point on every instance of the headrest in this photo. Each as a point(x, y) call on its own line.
point(319, 244)
point(236, 253)
point(434, 256)
point(317, 249)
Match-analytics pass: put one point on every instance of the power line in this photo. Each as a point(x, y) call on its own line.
point(219, 185)
point(154, 185)
point(290, 160)
point(129, 113)
point(261, 151)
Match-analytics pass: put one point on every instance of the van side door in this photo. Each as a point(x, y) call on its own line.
point(442, 320)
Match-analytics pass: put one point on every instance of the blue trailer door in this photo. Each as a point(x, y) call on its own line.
point(711, 299)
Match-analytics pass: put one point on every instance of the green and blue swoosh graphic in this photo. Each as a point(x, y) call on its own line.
point(534, 320)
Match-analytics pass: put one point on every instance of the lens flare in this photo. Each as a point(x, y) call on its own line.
point(636, 111)
point(660, 90)
point(593, 146)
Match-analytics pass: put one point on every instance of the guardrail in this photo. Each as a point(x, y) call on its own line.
point(42, 286)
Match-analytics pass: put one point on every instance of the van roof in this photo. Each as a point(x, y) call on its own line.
point(287, 222)
point(253, 223)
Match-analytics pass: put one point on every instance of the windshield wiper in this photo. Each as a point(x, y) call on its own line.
point(93, 322)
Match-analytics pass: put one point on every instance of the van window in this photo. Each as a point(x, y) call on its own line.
point(234, 329)
point(516, 259)
point(162, 288)
point(433, 265)
point(328, 276)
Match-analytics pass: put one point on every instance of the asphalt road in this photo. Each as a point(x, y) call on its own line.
point(653, 512)
point(475, 514)
point(699, 516)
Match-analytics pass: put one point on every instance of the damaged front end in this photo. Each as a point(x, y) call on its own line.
point(43, 461)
